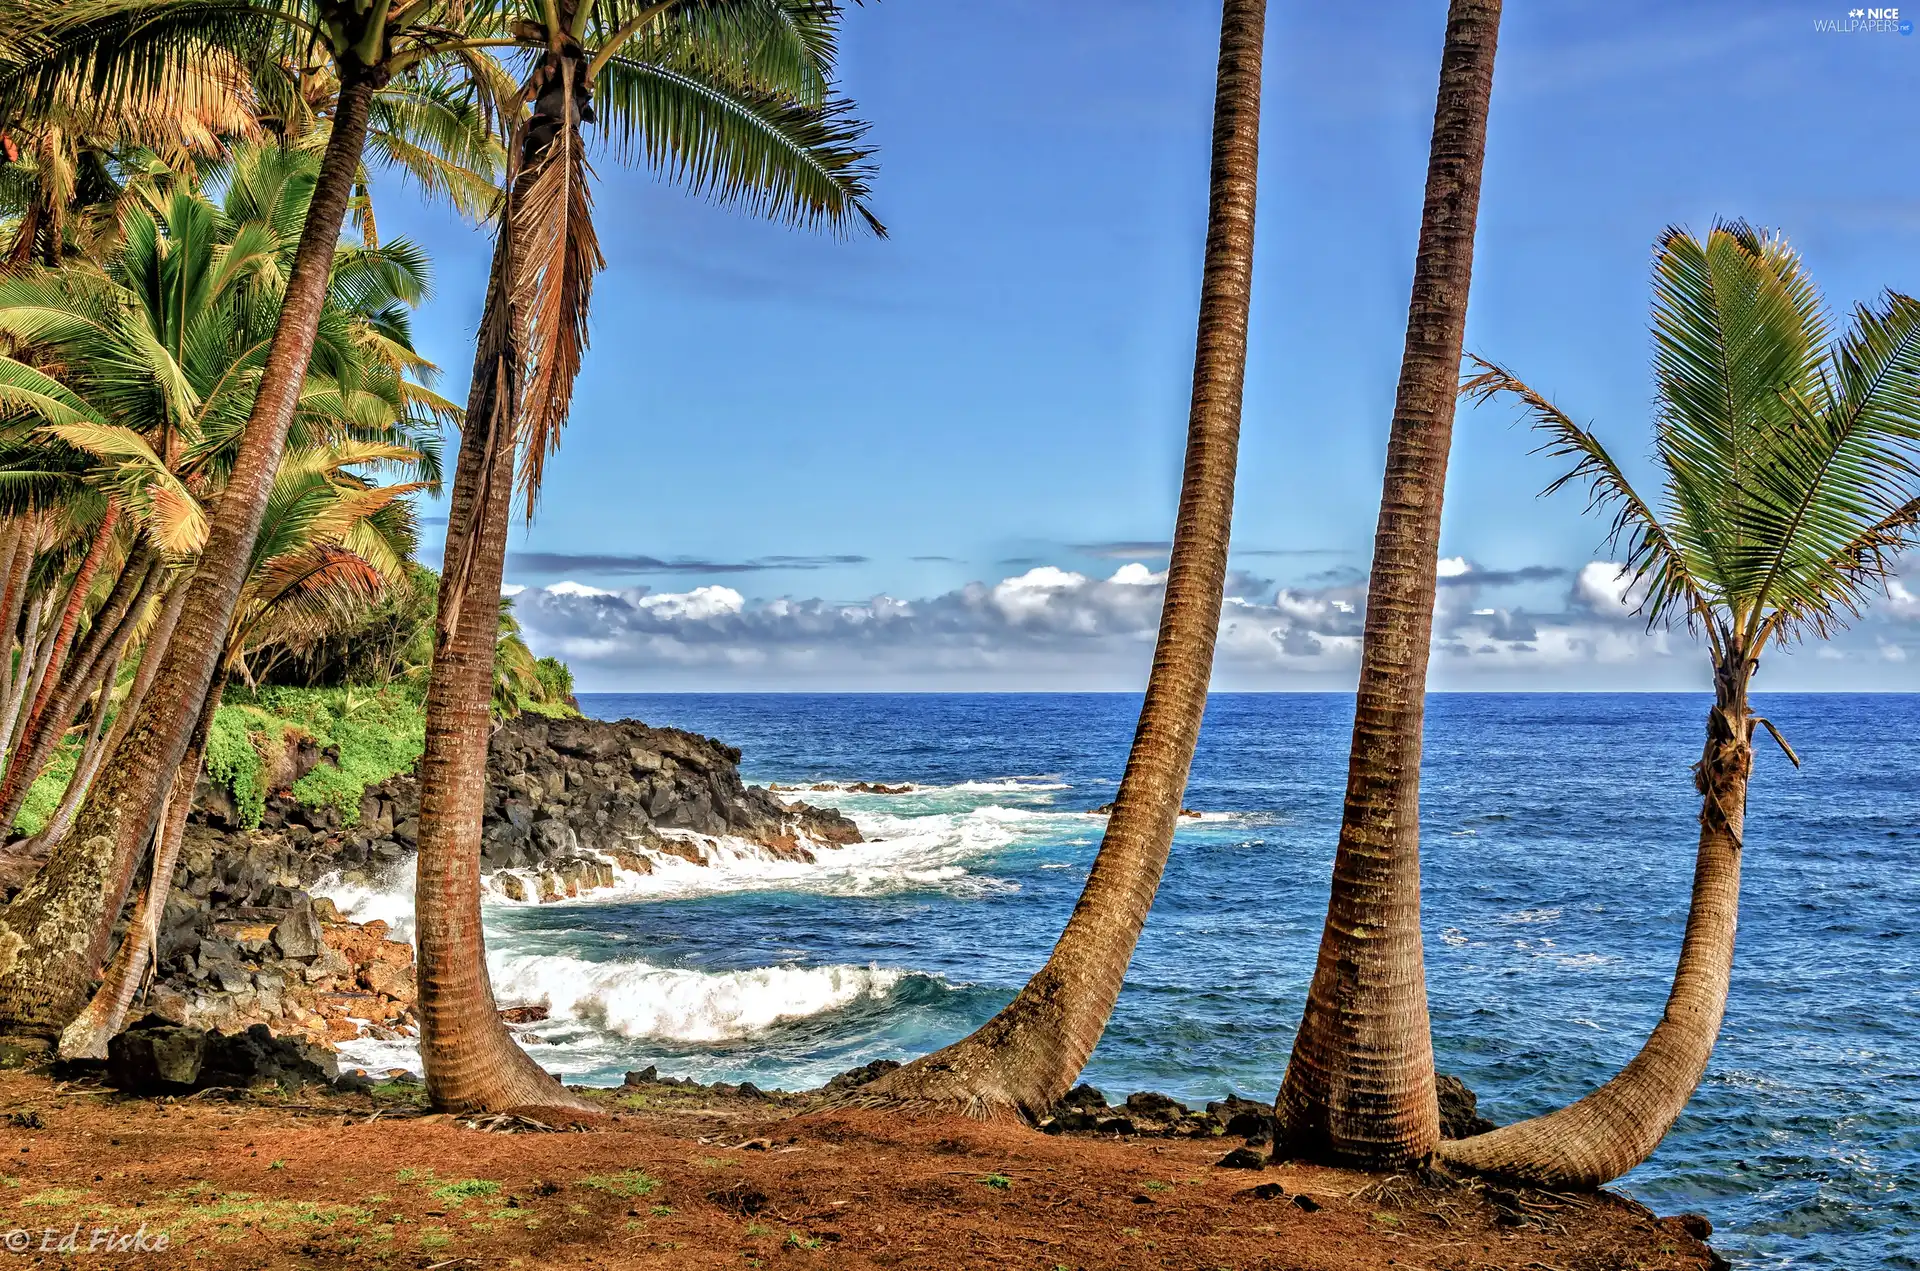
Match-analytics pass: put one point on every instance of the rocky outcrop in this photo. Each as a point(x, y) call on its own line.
point(570, 804)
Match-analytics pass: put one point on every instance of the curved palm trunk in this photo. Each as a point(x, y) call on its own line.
point(23, 673)
point(57, 929)
point(92, 751)
point(1359, 1088)
point(35, 673)
point(153, 648)
point(112, 628)
point(1026, 1057)
point(106, 1012)
point(16, 539)
point(1601, 1137)
point(13, 788)
point(471, 1061)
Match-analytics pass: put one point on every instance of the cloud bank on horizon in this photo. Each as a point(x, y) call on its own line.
point(1050, 628)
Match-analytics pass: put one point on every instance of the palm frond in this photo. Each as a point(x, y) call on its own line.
point(556, 255)
point(1654, 558)
point(804, 165)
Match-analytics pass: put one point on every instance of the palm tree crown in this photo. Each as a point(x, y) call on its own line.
point(1790, 462)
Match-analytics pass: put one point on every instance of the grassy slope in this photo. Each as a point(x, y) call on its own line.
point(378, 732)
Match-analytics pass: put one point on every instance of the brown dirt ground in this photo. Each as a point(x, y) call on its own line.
point(670, 1181)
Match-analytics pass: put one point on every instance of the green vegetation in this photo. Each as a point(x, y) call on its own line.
point(466, 1189)
point(374, 735)
point(628, 1183)
point(367, 733)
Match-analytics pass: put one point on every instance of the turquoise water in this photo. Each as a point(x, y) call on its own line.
point(1558, 844)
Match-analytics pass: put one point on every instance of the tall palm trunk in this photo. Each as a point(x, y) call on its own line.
point(1026, 1057)
point(1359, 1088)
point(92, 751)
point(106, 1013)
point(153, 648)
point(12, 789)
point(16, 538)
point(60, 702)
point(30, 645)
point(36, 673)
point(57, 929)
point(1601, 1137)
point(471, 1061)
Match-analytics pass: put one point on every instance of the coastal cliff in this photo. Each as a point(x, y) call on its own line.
point(572, 804)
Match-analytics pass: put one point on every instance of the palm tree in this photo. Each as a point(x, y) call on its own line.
point(121, 46)
point(217, 272)
point(1025, 1058)
point(697, 82)
point(1359, 1087)
point(767, 134)
point(180, 323)
point(1791, 479)
point(331, 542)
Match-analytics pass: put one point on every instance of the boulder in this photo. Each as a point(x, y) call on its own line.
point(1459, 1109)
point(155, 1056)
point(297, 936)
point(865, 1073)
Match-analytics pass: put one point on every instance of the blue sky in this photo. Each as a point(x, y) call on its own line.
point(796, 462)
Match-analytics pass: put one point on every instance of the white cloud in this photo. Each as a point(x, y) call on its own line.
point(1454, 566)
point(696, 605)
point(1607, 590)
point(1051, 628)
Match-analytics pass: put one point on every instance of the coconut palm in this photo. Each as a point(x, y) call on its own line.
point(117, 48)
point(1790, 479)
point(164, 353)
point(699, 85)
point(72, 155)
point(1359, 1087)
point(161, 355)
point(1025, 1058)
point(765, 134)
point(332, 541)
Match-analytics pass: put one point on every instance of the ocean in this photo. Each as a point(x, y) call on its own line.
point(1558, 839)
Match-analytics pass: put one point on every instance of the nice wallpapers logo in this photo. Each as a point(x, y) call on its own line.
point(1865, 22)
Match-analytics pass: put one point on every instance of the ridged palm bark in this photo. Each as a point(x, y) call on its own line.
point(19, 775)
point(106, 1012)
point(64, 688)
point(1359, 1088)
point(1616, 1127)
point(52, 936)
point(1025, 1058)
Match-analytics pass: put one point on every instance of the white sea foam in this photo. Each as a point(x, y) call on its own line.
point(636, 999)
point(595, 1006)
point(997, 785)
point(387, 896)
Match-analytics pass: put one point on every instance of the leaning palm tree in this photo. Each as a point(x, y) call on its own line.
point(1025, 1058)
point(767, 135)
point(119, 48)
point(1791, 479)
point(701, 86)
point(1359, 1088)
point(331, 543)
point(167, 428)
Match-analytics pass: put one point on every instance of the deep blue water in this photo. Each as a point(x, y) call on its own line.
point(1558, 837)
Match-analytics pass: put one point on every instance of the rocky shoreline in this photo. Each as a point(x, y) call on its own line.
point(571, 806)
